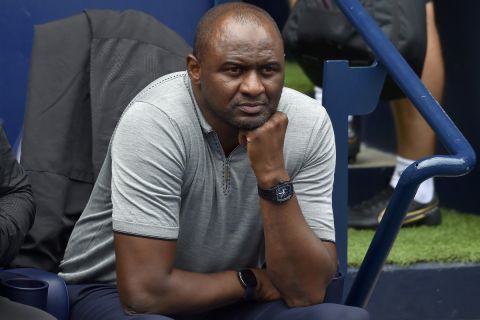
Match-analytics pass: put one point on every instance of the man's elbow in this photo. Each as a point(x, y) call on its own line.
point(137, 303)
point(306, 299)
point(140, 300)
point(310, 293)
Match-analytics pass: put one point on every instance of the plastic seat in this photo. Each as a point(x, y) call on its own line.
point(57, 299)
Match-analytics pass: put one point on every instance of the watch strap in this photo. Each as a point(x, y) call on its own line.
point(280, 193)
point(249, 292)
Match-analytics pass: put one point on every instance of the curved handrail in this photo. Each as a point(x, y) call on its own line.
point(460, 162)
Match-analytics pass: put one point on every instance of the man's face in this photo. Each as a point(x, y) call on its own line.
point(241, 75)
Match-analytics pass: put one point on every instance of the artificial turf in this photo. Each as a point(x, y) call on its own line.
point(457, 239)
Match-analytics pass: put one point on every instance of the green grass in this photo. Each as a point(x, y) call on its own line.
point(457, 239)
point(296, 79)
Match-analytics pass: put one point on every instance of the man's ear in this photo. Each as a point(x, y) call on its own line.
point(193, 69)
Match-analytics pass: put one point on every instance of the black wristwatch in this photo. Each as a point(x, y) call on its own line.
point(280, 193)
point(248, 281)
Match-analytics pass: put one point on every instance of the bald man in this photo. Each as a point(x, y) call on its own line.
point(214, 200)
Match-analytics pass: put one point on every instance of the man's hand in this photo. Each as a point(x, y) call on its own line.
point(265, 150)
point(265, 290)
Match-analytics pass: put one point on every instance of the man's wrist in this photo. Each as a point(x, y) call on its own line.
point(279, 194)
point(271, 179)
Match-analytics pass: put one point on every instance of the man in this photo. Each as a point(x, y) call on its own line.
point(17, 212)
point(175, 225)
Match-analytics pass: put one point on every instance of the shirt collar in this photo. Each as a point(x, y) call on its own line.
point(206, 127)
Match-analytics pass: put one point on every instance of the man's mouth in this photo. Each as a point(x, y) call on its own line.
point(252, 108)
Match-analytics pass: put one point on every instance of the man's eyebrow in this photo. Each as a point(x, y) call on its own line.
point(232, 62)
point(229, 64)
point(272, 63)
point(242, 62)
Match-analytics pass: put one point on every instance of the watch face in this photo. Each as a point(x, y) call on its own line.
point(284, 192)
point(248, 278)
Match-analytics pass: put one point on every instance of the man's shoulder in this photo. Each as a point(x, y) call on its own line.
point(169, 95)
point(170, 86)
point(300, 107)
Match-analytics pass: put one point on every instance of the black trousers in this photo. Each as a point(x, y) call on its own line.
point(102, 302)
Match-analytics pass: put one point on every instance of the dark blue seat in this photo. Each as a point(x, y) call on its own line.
point(57, 300)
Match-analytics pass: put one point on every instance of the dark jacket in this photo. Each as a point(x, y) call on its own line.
point(17, 209)
point(85, 69)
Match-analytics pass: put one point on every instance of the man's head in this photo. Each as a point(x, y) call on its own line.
point(237, 66)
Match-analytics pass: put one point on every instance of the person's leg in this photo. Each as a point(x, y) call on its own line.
point(18, 311)
point(278, 310)
point(415, 138)
point(100, 302)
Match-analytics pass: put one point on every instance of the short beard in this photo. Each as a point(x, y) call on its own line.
point(249, 125)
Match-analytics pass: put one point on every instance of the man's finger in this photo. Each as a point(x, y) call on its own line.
point(242, 137)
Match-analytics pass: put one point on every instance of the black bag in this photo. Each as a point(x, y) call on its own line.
point(317, 31)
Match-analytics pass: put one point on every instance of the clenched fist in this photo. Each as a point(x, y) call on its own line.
point(265, 150)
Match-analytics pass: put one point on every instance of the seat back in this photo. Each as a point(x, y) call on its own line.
point(85, 69)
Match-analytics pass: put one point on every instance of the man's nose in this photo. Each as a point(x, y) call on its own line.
point(252, 84)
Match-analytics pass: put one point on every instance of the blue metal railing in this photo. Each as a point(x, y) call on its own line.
point(460, 162)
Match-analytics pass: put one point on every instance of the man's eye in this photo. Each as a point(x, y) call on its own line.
point(234, 70)
point(268, 70)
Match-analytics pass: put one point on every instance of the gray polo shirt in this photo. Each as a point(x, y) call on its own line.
point(165, 176)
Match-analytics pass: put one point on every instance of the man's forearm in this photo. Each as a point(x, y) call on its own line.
point(181, 292)
point(299, 264)
point(148, 282)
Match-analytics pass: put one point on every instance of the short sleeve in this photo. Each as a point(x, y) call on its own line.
point(314, 182)
point(148, 160)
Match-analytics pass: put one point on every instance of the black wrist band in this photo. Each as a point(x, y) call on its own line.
point(280, 193)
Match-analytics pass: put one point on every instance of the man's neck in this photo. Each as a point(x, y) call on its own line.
point(227, 135)
point(228, 144)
